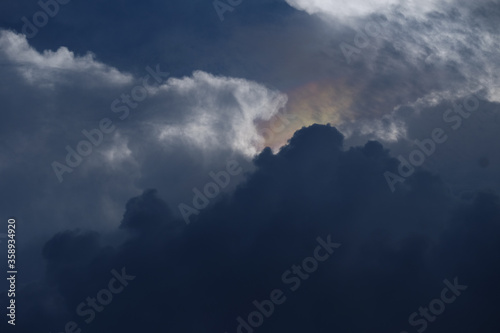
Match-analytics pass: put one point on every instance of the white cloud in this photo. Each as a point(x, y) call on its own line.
point(388, 129)
point(424, 36)
point(357, 8)
point(186, 128)
point(218, 112)
point(51, 66)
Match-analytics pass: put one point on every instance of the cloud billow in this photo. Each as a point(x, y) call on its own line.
point(396, 250)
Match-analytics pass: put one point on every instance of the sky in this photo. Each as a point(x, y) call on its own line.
point(250, 166)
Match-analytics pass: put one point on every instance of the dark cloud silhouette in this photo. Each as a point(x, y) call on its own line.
point(397, 249)
point(146, 212)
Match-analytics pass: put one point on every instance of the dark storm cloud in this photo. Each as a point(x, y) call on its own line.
point(465, 160)
point(224, 77)
point(396, 251)
point(146, 212)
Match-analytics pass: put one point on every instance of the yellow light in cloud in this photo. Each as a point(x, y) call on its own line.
point(318, 102)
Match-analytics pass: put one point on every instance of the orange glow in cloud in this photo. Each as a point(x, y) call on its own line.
point(318, 102)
